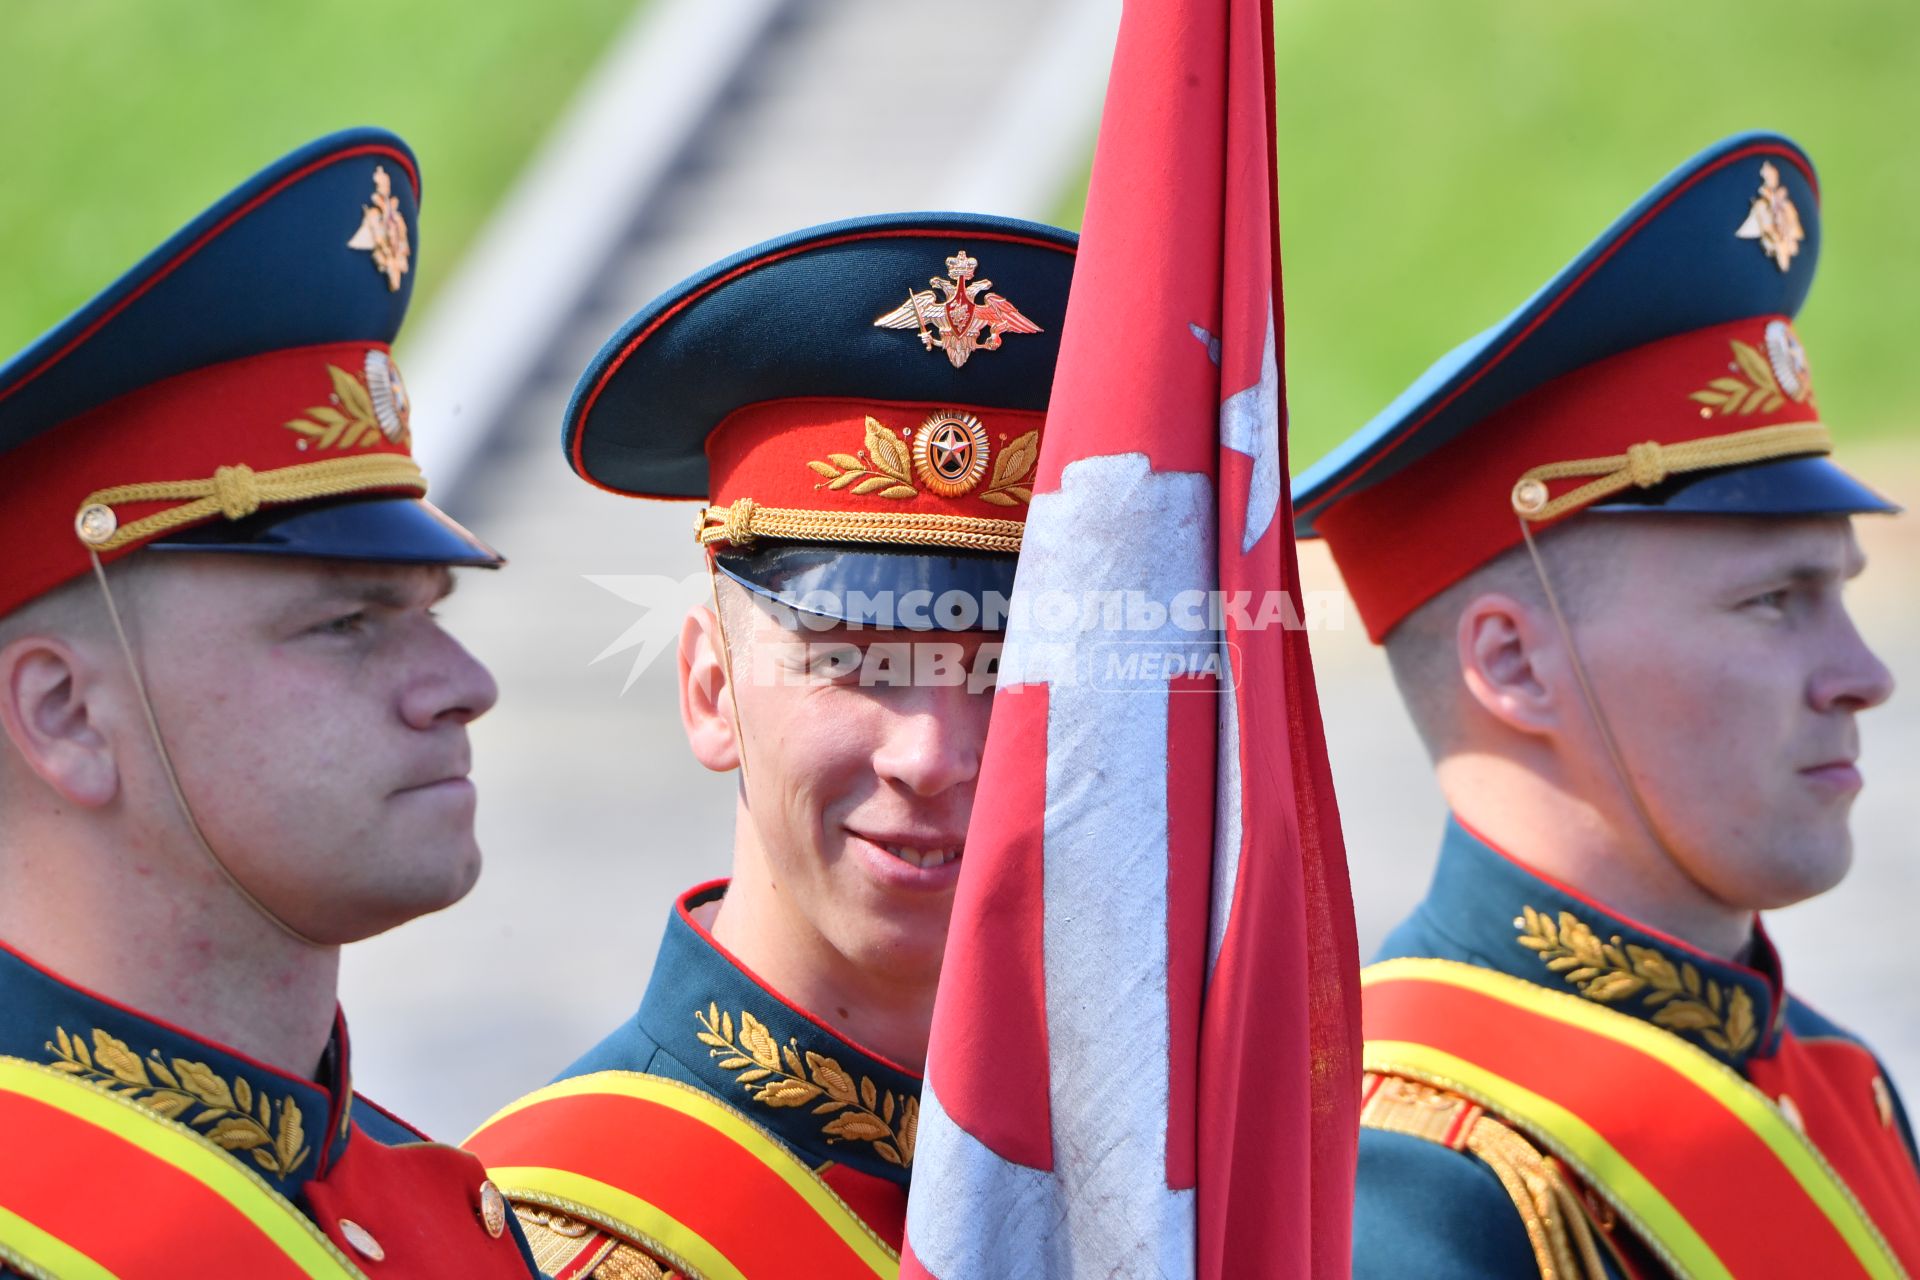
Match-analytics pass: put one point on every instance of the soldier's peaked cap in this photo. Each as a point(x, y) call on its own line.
point(1658, 372)
point(234, 391)
point(860, 405)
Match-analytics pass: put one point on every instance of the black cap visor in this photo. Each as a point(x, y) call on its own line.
point(1808, 486)
point(382, 530)
point(897, 588)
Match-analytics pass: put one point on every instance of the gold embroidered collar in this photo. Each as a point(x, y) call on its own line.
point(1486, 907)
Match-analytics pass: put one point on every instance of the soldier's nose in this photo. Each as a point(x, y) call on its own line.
point(932, 750)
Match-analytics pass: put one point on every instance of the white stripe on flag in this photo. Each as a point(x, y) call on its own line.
point(1228, 825)
point(1114, 526)
point(992, 1215)
point(1249, 424)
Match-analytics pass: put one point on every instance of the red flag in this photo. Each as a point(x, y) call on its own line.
point(1146, 1043)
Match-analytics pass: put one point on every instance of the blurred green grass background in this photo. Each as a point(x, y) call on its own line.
point(124, 118)
point(1437, 162)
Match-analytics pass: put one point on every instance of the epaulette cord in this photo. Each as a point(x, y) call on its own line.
point(566, 1246)
point(1556, 1223)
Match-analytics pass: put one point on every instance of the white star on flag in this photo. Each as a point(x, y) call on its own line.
point(1250, 424)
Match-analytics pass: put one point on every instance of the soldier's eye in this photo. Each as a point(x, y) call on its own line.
point(350, 624)
point(832, 661)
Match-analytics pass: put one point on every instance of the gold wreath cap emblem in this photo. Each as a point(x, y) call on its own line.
point(1773, 219)
point(383, 232)
point(958, 320)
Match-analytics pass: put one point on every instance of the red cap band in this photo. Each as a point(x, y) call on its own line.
point(867, 457)
point(258, 415)
point(1404, 540)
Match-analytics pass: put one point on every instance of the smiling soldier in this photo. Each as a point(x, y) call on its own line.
point(867, 489)
point(1605, 550)
point(235, 738)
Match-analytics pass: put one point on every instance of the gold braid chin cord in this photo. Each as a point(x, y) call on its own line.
point(166, 764)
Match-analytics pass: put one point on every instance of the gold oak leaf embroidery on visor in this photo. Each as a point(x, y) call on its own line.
point(787, 1075)
point(348, 420)
point(1607, 972)
point(230, 1114)
point(883, 466)
point(1748, 387)
point(1012, 481)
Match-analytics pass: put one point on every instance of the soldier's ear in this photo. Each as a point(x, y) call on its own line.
point(706, 699)
point(1508, 652)
point(51, 704)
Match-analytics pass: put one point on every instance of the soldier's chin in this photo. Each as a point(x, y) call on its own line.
point(1799, 870)
point(907, 951)
point(1811, 877)
point(375, 909)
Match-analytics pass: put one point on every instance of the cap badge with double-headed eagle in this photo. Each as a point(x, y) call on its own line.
point(961, 322)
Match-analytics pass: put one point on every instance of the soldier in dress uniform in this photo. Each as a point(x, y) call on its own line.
point(234, 739)
point(859, 406)
point(1604, 547)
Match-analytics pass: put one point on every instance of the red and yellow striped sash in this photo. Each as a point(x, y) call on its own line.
point(94, 1187)
point(680, 1173)
point(1703, 1165)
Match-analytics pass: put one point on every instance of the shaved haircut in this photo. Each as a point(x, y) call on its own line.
point(73, 607)
point(1423, 650)
point(741, 612)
